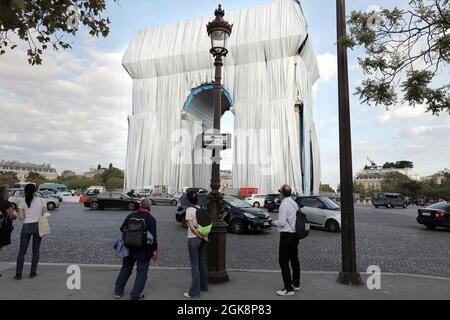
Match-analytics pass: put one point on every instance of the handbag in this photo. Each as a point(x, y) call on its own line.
point(44, 227)
point(119, 247)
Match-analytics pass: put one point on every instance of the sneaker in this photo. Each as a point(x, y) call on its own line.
point(188, 296)
point(296, 288)
point(118, 296)
point(285, 293)
point(142, 297)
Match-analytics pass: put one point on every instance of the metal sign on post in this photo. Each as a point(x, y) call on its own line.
point(217, 141)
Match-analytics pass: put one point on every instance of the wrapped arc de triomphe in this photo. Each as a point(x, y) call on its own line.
point(268, 81)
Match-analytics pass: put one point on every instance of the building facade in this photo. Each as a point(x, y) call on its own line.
point(371, 178)
point(93, 172)
point(268, 78)
point(437, 178)
point(22, 169)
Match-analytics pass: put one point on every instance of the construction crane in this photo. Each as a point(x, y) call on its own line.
point(372, 162)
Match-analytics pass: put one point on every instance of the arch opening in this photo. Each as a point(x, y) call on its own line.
point(198, 117)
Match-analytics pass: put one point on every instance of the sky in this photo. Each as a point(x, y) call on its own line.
point(72, 111)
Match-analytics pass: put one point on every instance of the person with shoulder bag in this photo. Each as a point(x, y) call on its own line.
point(289, 241)
point(7, 216)
point(140, 239)
point(32, 212)
point(199, 226)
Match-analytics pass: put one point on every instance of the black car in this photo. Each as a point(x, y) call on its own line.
point(273, 202)
point(436, 215)
point(238, 214)
point(112, 200)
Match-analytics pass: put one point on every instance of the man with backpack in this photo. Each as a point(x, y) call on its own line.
point(289, 241)
point(140, 238)
point(199, 226)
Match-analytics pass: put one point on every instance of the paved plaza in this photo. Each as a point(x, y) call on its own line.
point(390, 239)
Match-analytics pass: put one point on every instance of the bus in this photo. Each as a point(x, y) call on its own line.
point(56, 188)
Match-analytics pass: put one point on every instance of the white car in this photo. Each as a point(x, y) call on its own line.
point(17, 195)
point(256, 200)
point(321, 212)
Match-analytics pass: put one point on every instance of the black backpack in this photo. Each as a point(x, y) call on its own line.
point(135, 234)
point(204, 221)
point(302, 226)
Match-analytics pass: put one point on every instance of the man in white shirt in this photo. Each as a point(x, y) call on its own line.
point(288, 253)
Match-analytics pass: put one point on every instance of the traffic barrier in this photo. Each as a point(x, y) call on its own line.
point(71, 199)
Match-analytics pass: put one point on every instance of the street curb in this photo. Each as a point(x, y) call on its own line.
point(108, 266)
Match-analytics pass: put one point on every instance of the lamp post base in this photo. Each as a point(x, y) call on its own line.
point(350, 279)
point(217, 272)
point(218, 277)
point(217, 245)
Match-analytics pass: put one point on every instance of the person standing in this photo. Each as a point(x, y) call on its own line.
point(196, 247)
point(7, 216)
point(31, 208)
point(140, 256)
point(288, 252)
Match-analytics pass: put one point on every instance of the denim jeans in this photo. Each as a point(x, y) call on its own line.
point(289, 253)
point(198, 266)
point(29, 230)
point(143, 265)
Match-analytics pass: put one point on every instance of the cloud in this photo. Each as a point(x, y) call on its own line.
point(327, 65)
point(71, 111)
point(404, 111)
point(415, 132)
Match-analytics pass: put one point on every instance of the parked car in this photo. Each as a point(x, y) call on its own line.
point(53, 195)
point(256, 200)
point(436, 215)
point(16, 195)
point(273, 202)
point(112, 200)
point(389, 200)
point(321, 212)
point(238, 214)
point(161, 198)
point(242, 217)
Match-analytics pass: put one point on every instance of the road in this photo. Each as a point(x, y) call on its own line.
point(389, 238)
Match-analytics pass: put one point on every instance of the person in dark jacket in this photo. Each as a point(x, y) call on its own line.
point(140, 256)
point(7, 216)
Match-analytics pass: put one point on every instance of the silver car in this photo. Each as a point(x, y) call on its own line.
point(321, 212)
point(161, 198)
point(17, 195)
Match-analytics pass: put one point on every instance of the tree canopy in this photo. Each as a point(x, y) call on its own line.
point(326, 188)
point(405, 52)
point(35, 177)
point(8, 178)
point(43, 23)
point(399, 165)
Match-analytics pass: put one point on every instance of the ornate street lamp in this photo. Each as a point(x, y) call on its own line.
point(219, 31)
point(349, 274)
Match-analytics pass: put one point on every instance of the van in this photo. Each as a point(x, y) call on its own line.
point(389, 200)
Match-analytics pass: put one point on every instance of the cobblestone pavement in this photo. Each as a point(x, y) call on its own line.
point(390, 239)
